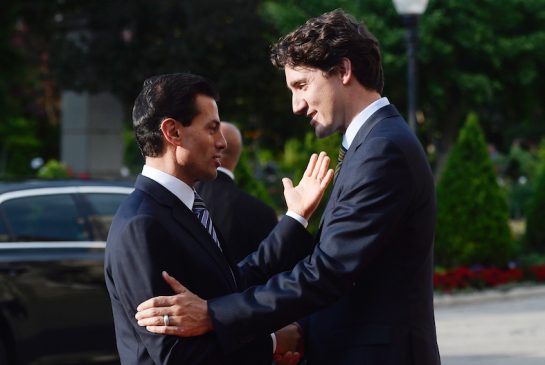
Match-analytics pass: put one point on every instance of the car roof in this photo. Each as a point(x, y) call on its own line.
point(9, 186)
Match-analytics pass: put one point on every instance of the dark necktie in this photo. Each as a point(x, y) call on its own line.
point(199, 208)
point(340, 158)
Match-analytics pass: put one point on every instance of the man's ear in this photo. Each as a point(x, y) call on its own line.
point(171, 130)
point(345, 70)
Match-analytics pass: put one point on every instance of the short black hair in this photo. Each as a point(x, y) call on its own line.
point(166, 96)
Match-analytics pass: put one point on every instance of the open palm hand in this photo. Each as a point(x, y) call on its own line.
point(304, 198)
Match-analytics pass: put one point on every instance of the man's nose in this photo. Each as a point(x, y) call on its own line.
point(221, 142)
point(298, 104)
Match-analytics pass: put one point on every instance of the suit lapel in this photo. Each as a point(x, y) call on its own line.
point(188, 221)
point(385, 112)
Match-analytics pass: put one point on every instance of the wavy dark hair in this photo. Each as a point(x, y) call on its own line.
point(323, 41)
point(166, 96)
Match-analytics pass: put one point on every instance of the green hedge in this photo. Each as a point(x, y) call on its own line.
point(472, 222)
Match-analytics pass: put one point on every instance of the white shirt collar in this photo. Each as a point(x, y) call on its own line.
point(360, 119)
point(176, 186)
point(227, 172)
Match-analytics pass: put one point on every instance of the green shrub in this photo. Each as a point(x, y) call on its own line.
point(19, 144)
point(535, 221)
point(255, 169)
point(249, 178)
point(472, 221)
point(53, 169)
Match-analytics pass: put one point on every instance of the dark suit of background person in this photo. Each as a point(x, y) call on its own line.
point(154, 230)
point(243, 220)
point(369, 278)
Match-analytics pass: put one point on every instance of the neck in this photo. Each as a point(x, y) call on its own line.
point(360, 99)
point(168, 166)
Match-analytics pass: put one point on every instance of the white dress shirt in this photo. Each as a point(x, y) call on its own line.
point(360, 119)
point(176, 186)
point(227, 172)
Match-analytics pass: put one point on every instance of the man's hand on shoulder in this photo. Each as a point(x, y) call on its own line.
point(183, 314)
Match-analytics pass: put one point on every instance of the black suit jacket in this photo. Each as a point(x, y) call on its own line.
point(243, 220)
point(154, 231)
point(369, 278)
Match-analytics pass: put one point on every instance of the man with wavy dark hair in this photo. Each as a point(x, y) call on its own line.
point(368, 282)
point(324, 41)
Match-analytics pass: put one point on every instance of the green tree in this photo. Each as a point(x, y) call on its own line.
point(19, 145)
point(494, 53)
point(10, 63)
point(472, 222)
point(28, 103)
point(535, 229)
point(222, 40)
point(519, 174)
point(485, 56)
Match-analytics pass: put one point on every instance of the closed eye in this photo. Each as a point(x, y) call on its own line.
point(298, 85)
point(214, 127)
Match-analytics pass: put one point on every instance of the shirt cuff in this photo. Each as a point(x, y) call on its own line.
point(273, 336)
point(298, 218)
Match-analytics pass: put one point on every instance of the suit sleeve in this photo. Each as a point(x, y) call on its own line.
point(286, 245)
point(136, 264)
point(265, 221)
point(369, 203)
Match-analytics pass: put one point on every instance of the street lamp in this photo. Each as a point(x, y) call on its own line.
point(410, 11)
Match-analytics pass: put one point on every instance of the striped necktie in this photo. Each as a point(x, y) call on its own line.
point(340, 158)
point(199, 208)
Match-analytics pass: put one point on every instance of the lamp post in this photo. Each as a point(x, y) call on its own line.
point(410, 11)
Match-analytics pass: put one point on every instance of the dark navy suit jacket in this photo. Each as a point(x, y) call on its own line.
point(369, 279)
point(154, 231)
point(243, 220)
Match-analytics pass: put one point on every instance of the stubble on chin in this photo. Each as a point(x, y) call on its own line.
point(322, 132)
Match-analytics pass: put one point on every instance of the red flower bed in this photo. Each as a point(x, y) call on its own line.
point(464, 277)
point(538, 272)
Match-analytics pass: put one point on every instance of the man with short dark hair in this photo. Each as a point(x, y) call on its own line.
point(369, 279)
point(165, 226)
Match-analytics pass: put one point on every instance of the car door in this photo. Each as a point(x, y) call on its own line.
point(55, 269)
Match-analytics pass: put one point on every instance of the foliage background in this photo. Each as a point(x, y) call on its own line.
point(472, 209)
point(535, 231)
point(483, 56)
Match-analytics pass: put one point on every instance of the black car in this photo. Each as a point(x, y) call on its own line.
point(54, 306)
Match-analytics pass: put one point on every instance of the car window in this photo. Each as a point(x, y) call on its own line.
point(103, 207)
point(44, 218)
